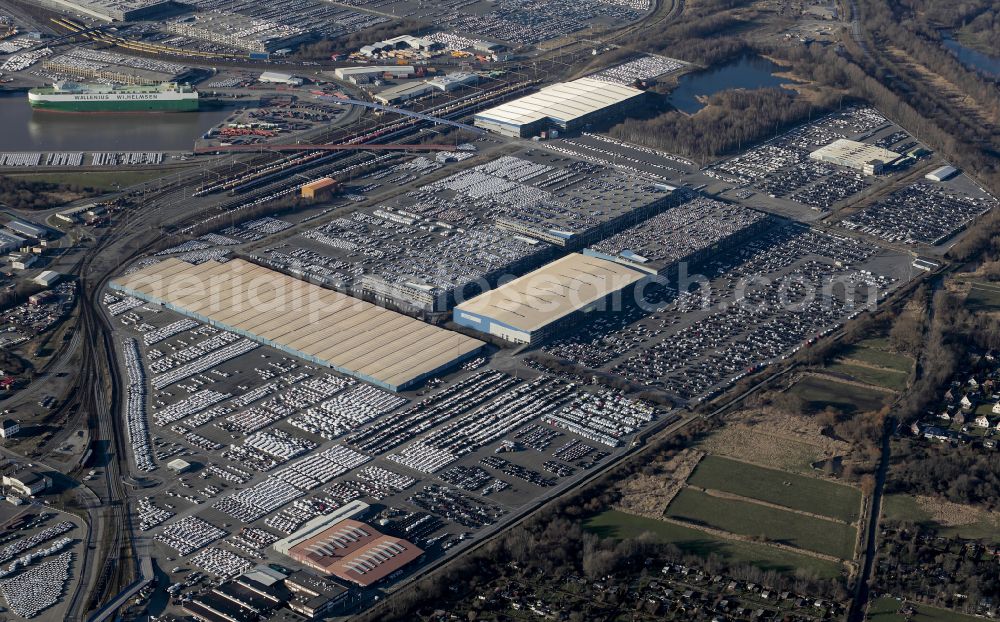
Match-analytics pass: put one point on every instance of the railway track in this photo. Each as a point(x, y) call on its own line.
point(97, 396)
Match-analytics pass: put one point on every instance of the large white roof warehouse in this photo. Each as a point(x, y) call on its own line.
point(320, 325)
point(532, 307)
point(567, 105)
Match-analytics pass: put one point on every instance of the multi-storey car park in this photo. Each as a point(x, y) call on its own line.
point(119, 10)
point(238, 31)
point(691, 232)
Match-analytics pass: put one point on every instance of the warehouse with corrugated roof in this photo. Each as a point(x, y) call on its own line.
point(534, 306)
point(329, 328)
point(568, 106)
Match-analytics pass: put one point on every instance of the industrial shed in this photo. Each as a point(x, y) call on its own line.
point(869, 159)
point(568, 106)
point(531, 308)
point(354, 551)
point(399, 71)
point(942, 174)
point(273, 77)
point(329, 328)
point(404, 92)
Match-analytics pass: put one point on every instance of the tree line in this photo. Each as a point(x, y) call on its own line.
point(730, 121)
point(25, 194)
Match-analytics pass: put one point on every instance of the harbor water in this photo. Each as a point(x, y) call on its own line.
point(28, 130)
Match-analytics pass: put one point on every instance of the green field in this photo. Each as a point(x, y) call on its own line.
point(904, 508)
point(983, 297)
point(878, 343)
point(818, 393)
point(749, 519)
point(926, 613)
point(884, 610)
point(90, 179)
point(878, 356)
point(797, 492)
point(888, 378)
point(614, 524)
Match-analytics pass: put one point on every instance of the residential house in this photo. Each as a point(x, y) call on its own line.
point(982, 422)
point(935, 434)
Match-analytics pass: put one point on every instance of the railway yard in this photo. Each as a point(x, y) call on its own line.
point(232, 383)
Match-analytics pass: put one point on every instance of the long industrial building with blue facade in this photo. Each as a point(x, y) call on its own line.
point(331, 329)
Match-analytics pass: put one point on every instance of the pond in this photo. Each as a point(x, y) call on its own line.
point(27, 130)
point(747, 72)
point(974, 59)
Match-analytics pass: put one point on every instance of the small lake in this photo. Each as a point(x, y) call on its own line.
point(26, 130)
point(973, 59)
point(748, 72)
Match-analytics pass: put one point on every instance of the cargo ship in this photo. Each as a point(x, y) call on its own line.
point(73, 97)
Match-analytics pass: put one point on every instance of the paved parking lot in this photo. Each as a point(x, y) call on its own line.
point(273, 442)
point(752, 306)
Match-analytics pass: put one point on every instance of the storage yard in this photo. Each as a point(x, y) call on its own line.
point(755, 304)
point(442, 241)
point(404, 290)
point(77, 159)
point(289, 449)
point(690, 233)
point(233, 30)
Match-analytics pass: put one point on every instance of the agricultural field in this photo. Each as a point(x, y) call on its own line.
point(820, 392)
point(615, 524)
point(888, 378)
point(948, 519)
point(876, 352)
point(871, 362)
point(796, 492)
point(761, 521)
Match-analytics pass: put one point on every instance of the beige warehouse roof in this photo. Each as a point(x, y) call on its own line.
point(854, 152)
point(552, 292)
point(564, 101)
point(354, 336)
